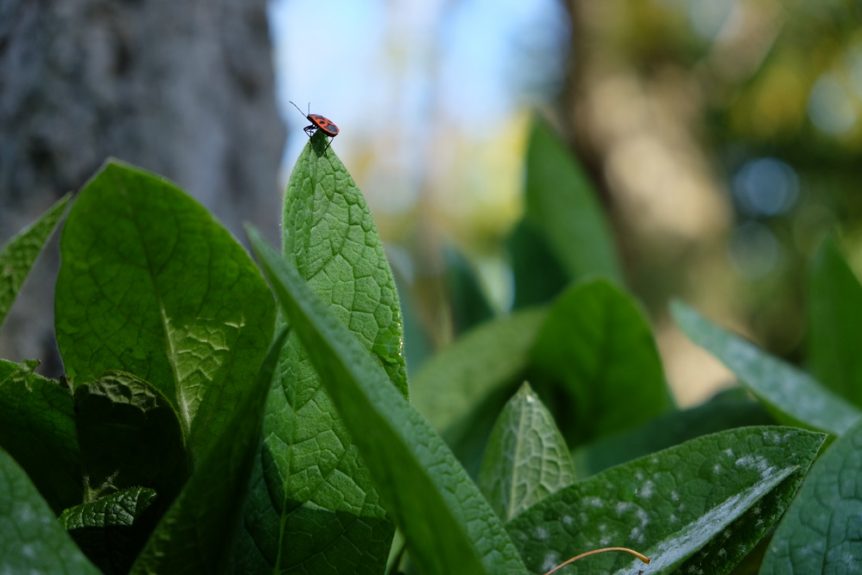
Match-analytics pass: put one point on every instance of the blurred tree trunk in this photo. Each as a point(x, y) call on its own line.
point(185, 89)
point(635, 125)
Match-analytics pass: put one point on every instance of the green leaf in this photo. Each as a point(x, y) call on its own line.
point(821, 531)
point(598, 344)
point(483, 361)
point(562, 207)
point(37, 428)
point(111, 530)
point(314, 509)
point(197, 533)
point(539, 276)
point(329, 234)
point(20, 253)
point(727, 410)
point(462, 389)
point(31, 539)
point(835, 319)
point(700, 506)
point(470, 307)
point(447, 523)
point(527, 459)
point(129, 436)
point(152, 285)
point(794, 396)
point(563, 235)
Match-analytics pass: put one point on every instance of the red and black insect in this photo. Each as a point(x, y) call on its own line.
point(318, 122)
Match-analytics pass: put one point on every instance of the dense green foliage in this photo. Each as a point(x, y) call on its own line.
point(212, 423)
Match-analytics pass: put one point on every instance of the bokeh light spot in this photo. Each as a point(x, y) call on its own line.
point(831, 107)
point(765, 187)
point(754, 250)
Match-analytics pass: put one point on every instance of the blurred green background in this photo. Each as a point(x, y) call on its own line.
point(722, 137)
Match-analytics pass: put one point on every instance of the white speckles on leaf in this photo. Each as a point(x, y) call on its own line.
point(647, 490)
point(550, 561)
point(541, 534)
point(755, 463)
point(674, 514)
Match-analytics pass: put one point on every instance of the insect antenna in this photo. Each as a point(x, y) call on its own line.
point(300, 109)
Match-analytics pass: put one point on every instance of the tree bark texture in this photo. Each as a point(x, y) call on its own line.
point(185, 89)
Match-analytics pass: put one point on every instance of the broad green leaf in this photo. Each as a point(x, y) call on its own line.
point(329, 234)
point(37, 428)
point(598, 345)
point(470, 307)
point(561, 206)
point(19, 254)
point(537, 274)
point(728, 410)
point(152, 285)
point(835, 319)
point(794, 395)
point(483, 361)
point(699, 507)
point(197, 533)
point(526, 459)
point(31, 539)
point(129, 436)
point(821, 531)
point(462, 389)
point(111, 530)
point(315, 510)
point(447, 523)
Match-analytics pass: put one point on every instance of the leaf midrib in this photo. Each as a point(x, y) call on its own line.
point(182, 403)
point(284, 514)
point(519, 447)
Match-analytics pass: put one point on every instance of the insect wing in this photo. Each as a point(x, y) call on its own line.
point(324, 124)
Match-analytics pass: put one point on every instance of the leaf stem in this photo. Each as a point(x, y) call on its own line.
point(397, 556)
point(571, 560)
